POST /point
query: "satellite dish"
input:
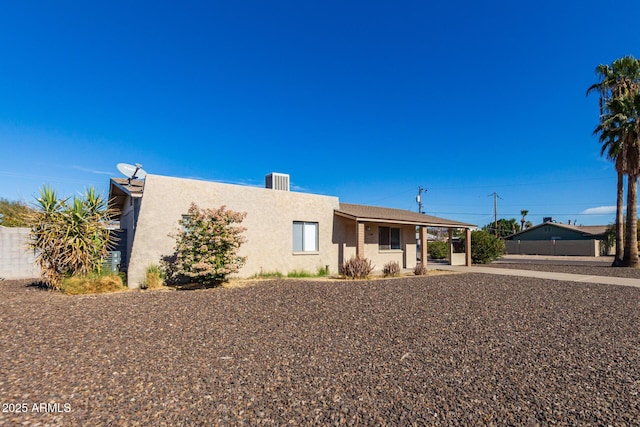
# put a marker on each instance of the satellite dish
(132, 171)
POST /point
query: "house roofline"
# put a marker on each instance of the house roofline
(364, 213)
(555, 224)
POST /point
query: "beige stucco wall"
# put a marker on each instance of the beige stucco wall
(345, 237)
(269, 223)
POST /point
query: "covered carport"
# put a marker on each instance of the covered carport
(365, 217)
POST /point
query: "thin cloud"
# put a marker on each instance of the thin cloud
(98, 172)
(600, 210)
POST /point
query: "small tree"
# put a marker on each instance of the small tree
(438, 250)
(15, 214)
(506, 227)
(207, 246)
(523, 221)
(485, 247)
(70, 236)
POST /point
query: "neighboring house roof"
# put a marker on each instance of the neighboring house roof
(364, 213)
(594, 231)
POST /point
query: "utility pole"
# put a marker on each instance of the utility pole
(495, 211)
(419, 198)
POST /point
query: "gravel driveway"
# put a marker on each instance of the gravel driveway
(455, 349)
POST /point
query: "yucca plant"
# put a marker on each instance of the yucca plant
(70, 236)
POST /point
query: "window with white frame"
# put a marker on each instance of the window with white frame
(389, 238)
(305, 236)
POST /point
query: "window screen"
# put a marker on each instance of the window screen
(389, 238)
(305, 236)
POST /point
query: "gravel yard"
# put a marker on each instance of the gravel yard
(454, 349)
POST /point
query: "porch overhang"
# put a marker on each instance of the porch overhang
(122, 188)
(362, 214)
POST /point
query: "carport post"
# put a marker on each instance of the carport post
(360, 240)
(423, 246)
(467, 249)
(450, 231)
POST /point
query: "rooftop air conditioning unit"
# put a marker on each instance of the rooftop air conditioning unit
(277, 181)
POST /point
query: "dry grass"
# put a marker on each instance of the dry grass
(92, 284)
(154, 278)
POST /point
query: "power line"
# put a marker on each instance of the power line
(528, 184)
(515, 214)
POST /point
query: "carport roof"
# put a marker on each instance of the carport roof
(121, 188)
(364, 213)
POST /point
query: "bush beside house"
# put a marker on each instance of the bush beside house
(207, 245)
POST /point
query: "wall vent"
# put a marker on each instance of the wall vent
(277, 181)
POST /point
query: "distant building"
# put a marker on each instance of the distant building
(552, 238)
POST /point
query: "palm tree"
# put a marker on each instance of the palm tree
(524, 213)
(619, 131)
(611, 146)
(624, 117)
(618, 81)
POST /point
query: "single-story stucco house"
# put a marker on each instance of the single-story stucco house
(285, 230)
(552, 238)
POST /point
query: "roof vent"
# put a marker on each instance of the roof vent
(277, 181)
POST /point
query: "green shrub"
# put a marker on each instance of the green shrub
(392, 268)
(419, 269)
(438, 250)
(15, 214)
(357, 268)
(322, 271)
(485, 247)
(154, 277)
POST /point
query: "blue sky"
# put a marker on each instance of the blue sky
(364, 100)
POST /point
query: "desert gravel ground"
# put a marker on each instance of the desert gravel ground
(454, 349)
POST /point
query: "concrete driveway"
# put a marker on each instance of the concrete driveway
(552, 275)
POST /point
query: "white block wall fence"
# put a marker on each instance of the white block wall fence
(17, 261)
